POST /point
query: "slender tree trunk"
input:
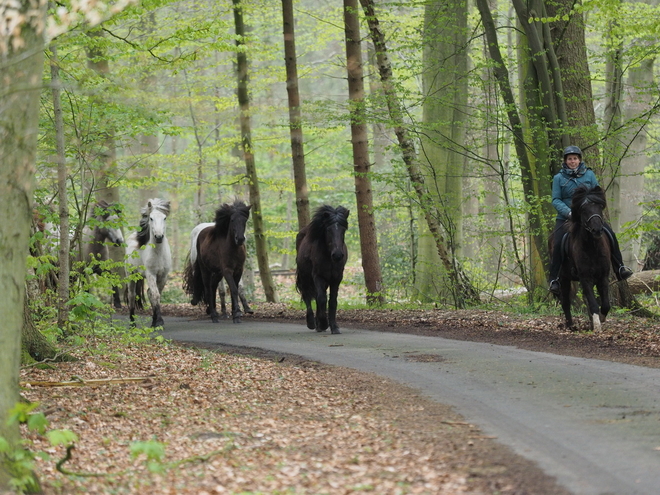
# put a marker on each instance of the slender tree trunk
(464, 292)
(295, 119)
(361, 163)
(251, 169)
(64, 251)
(21, 70)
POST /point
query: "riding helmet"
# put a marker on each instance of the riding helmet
(573, 150)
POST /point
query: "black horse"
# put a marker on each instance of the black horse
(586, 255)
(218, 252)
(321, 257)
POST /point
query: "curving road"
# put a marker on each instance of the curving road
(594, 425)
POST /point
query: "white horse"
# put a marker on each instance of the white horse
(221, 286)
(148, 253)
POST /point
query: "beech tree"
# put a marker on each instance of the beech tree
(21, 65)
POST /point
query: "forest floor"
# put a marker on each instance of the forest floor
(259, 424)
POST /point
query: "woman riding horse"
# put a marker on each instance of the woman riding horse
(574, 173)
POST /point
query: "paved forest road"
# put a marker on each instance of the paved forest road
(594, 425)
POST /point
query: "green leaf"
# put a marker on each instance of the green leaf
(61, 437)
(37, 422)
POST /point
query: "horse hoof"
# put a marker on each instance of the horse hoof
(311, 324)
(335, 331)
(318, 329)
(249, 311)
(237, 320)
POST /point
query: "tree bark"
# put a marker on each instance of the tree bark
(35, 344)
(250, 166)
(64, 249)
(361, 164)
(295, 116)
(21, 70)
(464, 292)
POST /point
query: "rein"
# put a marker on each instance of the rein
(595, 215)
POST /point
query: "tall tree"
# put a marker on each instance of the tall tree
(361, 164)
(295, 115)
(444, 82)
(21, 66)
(248, 154)
(463, 291)
(64, 256)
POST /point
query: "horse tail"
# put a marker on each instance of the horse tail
(193, 284)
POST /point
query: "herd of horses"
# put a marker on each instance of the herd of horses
(218, 253)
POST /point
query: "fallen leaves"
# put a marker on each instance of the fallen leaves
(218, 423)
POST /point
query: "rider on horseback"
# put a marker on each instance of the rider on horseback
(573, 174)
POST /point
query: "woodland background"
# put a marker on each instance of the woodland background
(150, 109)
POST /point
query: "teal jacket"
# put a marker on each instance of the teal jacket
(564, 185)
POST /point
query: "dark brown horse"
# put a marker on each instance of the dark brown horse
(587, 256)
(218, 252)
(321, 257)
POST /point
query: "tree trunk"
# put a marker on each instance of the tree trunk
(251, 169)
(444, 118)
(361, 164)
(35, 344)
(463, 291)
(21, 71)
(64, 250)
(295, 119)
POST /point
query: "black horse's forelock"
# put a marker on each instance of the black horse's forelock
(583, 193)
(327, 215)
(224, 213)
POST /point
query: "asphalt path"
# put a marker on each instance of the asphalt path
(593, 425)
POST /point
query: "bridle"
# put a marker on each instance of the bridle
(595, 215)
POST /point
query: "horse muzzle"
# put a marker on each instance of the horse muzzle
(159, 238)
(239, 241)
(337, 256)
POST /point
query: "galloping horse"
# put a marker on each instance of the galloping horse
(148, 253)
(218, 253)
(101, 229)
(587, 255)
(321, 257)
(221, 285)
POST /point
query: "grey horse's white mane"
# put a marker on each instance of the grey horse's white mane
(156, 204)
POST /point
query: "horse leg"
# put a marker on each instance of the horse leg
(307, 299)
(210, 286)
(332, 308)
(565, 298)
(241, 294)
(131, 301)
(223, 302)
(154, 299)
(116, 299)
(321, 305)
(603, 287)
(592, 304)
(232, 283)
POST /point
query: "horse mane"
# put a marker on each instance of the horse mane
(107, 209)
(153, 204)
(583, 193)
(224, 213)
(325, 216)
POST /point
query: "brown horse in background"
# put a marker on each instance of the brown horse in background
(321, 257)
(218, 253)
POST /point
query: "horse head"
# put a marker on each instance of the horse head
(334, 224)
(108, 217)
(231, 220)
(156, 213)
(587, 209)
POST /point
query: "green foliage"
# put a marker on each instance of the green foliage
(153, 451)
(18, 459)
